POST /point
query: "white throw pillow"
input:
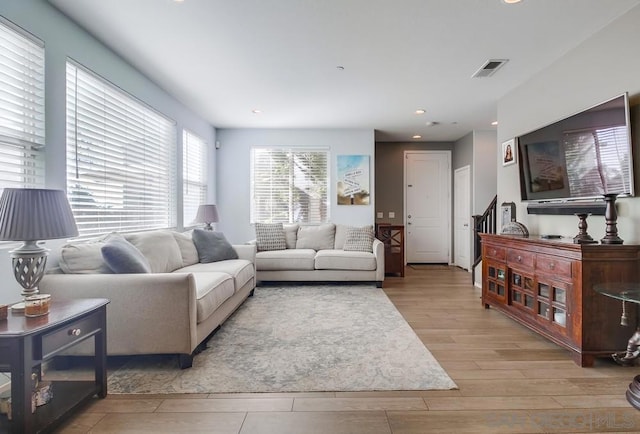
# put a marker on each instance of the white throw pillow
(359, 239)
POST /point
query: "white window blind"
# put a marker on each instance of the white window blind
(21, 108)
(121, 158)
(194, 175)
(289, 185)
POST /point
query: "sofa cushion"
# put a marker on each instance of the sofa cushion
(159, 247)
(83, 257)
(316, 237)
(344, 260)
(289, 259)
(240, 269)
(212, 246)
(291, 235)
(270, 236)
(188, 250)
(341, 235)
(359, 239)
(122, 257)
(212, 289)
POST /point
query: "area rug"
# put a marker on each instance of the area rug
(298, 339)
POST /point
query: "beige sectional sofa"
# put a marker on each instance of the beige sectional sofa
(320, 253)
(170, 310)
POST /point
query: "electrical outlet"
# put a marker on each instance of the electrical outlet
(380, 215)
(392, 215)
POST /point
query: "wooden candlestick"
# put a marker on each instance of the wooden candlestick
(583, 237)
(611, 218)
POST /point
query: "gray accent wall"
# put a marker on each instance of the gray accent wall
(63, 39)
(390, 176)
(484, 180)
(604, 66)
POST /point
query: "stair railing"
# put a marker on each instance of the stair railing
(485, 223)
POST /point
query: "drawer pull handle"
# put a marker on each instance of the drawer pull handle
(552, 265)
(519, 258)
(75, 332)
(494, 251)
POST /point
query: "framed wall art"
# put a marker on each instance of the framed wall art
(509, 154)
(353, 180)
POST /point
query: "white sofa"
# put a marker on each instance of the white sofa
(172, 309)
(317, 253)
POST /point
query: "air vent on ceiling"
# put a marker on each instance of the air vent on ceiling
(489, 68)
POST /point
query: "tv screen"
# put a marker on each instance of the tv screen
(583, 156)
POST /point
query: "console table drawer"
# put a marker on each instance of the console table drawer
(555, 266)
(520, 258)
(69, 335)
(499, 253)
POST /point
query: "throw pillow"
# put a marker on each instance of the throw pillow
(316, 237)
(123, 257)
(212, 246)
(270, 236)
(359, 239)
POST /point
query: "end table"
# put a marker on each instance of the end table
(26, 343)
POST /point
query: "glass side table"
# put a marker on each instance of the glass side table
(627, 293)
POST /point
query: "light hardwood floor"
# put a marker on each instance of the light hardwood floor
(510, 381)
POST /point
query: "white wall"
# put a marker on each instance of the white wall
(604, 66)
(64, 39)
(233, 172)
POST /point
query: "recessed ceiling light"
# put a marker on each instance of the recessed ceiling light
(256, 111)
(340, 68)
(416, 137)
(511, 2)
(420, 111)
(494, 123)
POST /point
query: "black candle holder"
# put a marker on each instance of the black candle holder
(583, 237)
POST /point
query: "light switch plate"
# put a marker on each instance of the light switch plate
(392, 215)
(380, 215)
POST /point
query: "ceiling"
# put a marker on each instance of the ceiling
(343, 63)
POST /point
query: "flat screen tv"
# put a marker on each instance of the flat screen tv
(583, 156)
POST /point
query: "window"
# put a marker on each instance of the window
(21, 108)
(289, 185)
(120, 158)
(194, 175)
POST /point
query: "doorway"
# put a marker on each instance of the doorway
(427, 192)
(462, 217)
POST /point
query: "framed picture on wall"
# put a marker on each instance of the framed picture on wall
(353, 180)
(509, 154)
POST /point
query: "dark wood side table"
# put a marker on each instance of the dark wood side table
(25, 343)
(393, 238)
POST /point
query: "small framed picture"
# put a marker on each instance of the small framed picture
(509, 154)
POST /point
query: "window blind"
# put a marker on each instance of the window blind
(289, 185)
(194, 175)
(21, 108)
(120, 158)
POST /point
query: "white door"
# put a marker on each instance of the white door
(427, 206)
(462, 217)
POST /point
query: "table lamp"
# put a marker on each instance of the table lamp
(207, 214)
(30, 215)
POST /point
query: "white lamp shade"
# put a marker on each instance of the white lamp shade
(207, 214)
(30, 214)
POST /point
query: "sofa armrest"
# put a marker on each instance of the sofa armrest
(246, 251)
(378, 252)
(147, 313)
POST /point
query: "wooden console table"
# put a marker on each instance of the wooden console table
(26, 343)
(548, 286)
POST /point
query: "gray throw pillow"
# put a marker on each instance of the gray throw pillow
(270, 236)
(359, 239)
(122, 257)
(212, 246)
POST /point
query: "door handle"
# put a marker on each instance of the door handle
(409, 216)
(466, 225)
